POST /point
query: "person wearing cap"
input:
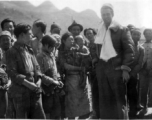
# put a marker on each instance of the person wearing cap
(145, 76)
(39, 30)
(25, 75)
(5, 44)
(47, 62)
(115, 54)
(132, 88)
(55, 29)
(9, 25)
(75, 28)
(130, 27)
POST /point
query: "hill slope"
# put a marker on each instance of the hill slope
(23, 11)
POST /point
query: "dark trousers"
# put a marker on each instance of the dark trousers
(94, 93)
(3, 103)
(112, 90)
(132, 92)
(145, 80)
(28, 105)
(10, 114)
(52, 106)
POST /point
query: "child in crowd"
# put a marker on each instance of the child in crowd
(50, 97)
(82, 48)
(146, 72)
(134, 74)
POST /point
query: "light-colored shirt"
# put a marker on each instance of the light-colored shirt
(28, 61)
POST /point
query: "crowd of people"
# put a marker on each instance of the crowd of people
(103, 74)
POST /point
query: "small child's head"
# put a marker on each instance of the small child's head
(148, 34)
(58, 40)
(136, 34)
(48, 43)
(79, 40)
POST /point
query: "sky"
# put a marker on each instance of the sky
(144, 7)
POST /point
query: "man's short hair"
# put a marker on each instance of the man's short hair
(93, 30)
(7, 20)
(21, 28)
(41, 24)
(147, 29)
(48, 40)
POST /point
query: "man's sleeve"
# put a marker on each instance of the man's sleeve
(128, 49)
(37, 70)
(138, 67)
(11, 61)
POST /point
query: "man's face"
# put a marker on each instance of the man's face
(107, 15)
(35, 30)
(5, 42)
(27, 37)
(56, 31)
(148, 35)
(75, 30)
(136, 36)
(9, 27)
(90, 35)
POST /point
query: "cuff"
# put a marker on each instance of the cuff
(20, 79)
(39, 74)
(46, 80)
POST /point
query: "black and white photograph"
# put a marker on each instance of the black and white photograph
(76, 59)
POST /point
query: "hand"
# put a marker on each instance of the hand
(38, 83)
(94, 61)
(56, 82)
(33, 87)
(61, 84)
(77, 53)
(125, 76)
(6, 87)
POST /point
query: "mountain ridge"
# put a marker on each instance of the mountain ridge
(24, 11)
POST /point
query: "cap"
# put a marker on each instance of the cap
(5, 33)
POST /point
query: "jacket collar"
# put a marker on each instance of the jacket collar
(114, 26)
(19, 46)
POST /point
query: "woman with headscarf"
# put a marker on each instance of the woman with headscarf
(76, 99)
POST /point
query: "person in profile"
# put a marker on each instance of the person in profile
(39, 30)
(25, 74)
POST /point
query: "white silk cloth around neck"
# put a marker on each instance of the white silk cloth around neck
(104, 38)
